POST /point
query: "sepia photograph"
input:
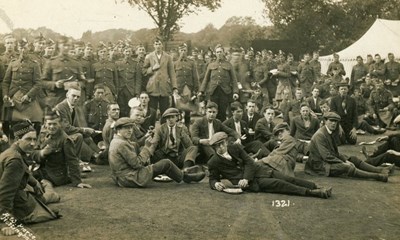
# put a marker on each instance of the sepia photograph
(200, 119)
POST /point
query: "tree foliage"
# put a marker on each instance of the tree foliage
(327, 25)
(167, 14)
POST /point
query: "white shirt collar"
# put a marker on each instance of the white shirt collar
(329, 131)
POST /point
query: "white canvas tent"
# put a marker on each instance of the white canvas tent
(383, 37)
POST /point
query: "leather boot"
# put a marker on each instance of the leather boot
(320, 193)
(193, 177)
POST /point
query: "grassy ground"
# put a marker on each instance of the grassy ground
(358, 209)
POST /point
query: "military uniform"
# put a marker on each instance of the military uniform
(59, 68)
(284, 83)
(96, 113)
(105, 72)
(271, 83)
(378, 100)
(62, 165)
(187, 81)
(260, 76)
(336, 70)
(378, 70)
(130, 83)
(22, 78)
(316, 65)
(393, 74)
(358, 72)
(219, 84)
(307, 77)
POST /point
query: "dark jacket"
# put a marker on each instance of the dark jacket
(199, 130)
(62, 165)
(14, 177)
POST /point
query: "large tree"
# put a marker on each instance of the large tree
(167, 14)
(328, 25)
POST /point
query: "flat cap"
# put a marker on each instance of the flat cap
(280, 127)
(182, 46)
(218, 137)
(332, 116)
(170, 112)
(342, 83)
(124, 121)
(211, 104)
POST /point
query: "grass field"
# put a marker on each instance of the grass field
(358, 209)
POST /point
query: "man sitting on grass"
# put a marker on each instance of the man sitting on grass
(131, 167)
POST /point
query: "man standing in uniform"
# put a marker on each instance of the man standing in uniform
(60, 70)
(104, 71)
(187, 79)
(130, 80)
(20, 86)
(220, 83)
(307, 75)
(358, 73)
(393, 74)
(336, 69)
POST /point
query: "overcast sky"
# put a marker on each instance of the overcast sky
(73, 17)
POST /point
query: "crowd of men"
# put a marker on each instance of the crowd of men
(68, 105)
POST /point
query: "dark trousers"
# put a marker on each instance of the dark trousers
(280, 183)
(392, 143)
(159, 101)
(346, 136)
(205, 152)
(222, 100)
(167, 167)
(188, 154)
(384, 158)
(123, 98)
(255, 146)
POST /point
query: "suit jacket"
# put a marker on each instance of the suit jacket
(299, 131)
(243, 127)
(163, 80)
(263, 132)
(199, 130)
(349, 119)
(251, 124)
(242, 166)
(128, 166)
(182, 137)
(70, 125)
(314, 107)
(149, 119)
(323, 152)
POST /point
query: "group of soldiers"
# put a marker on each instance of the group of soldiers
(121, 106)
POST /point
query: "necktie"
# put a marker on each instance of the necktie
(250, 118)
(73, 114)
(171, 136)
(344, 105)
